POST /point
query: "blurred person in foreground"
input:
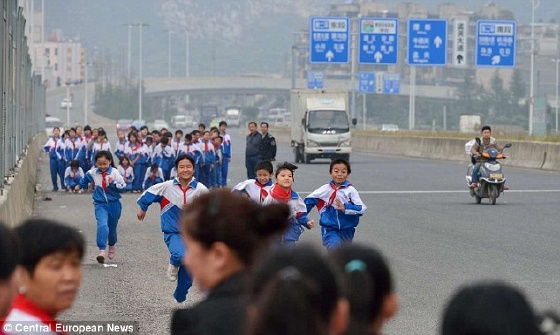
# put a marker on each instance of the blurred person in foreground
(296, 291)
(368, 286)
(489, 308)
(224, 233)
(9, 251)
(50, 273)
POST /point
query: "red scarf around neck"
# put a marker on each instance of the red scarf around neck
(280, 194)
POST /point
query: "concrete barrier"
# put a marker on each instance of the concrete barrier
(534, 155)
(17, 203)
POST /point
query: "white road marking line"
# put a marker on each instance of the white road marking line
(445, 192)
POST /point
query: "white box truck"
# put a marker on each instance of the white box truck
(320, 125)
(233, 117)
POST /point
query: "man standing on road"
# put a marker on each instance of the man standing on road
(252, 150)
(268, 144)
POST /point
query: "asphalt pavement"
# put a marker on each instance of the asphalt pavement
(419, 214)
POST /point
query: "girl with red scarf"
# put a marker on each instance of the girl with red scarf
(282, 192)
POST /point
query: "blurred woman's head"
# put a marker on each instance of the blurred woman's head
(295, 291)
(489, 308)
(368, 286)
(224, 231)
(50, 263)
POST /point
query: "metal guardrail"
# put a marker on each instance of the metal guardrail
(23, 97)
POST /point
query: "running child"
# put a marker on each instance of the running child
(339, 206)
(282, 191)
(172, 196)
(106, 201)
(73, 175)
(126, 172)
(257, 189)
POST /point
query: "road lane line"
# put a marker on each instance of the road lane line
(445, 192)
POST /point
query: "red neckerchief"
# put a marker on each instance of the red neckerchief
(104, 180)
(263, 193)
(280, 194)
(333, 195)
(23, 304)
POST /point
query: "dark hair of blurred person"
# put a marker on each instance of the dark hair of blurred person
(50, 270)
(223, 233)
(486, 308)
(9, 254)
(368, 286)
(296, 291)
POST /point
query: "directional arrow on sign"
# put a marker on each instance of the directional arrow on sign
(438, 41)
(496, 60)
(329, 55)
(378, 57)
(459, 59)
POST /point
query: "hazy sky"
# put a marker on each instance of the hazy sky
(228, 36)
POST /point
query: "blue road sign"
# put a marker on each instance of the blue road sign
(367, 82)
(329, 40)
(427, 42)
(495, 43)
(391, 83)
(315, 79)
(379, 40)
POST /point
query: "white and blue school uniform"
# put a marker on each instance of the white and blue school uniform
(133, 151)
(217, 171)
(120, 148)
(175, 145)
(298, 216)
(172, 198)
(83, 154)
(128, 176)
(192, 150)
(106, 202)
(152, 179)
(72, 150)
(164, 157)
(97, 147)
(253, 189)
(226, 153)
(55, 148)
(207, 158)
(337, 226)
(72, 177)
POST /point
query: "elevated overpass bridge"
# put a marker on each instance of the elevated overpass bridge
(245, 85)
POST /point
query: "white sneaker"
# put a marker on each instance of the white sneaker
(172, 272)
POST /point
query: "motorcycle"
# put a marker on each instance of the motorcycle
(491, 179)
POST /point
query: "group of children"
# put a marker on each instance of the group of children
(145, 159)
(183, 167)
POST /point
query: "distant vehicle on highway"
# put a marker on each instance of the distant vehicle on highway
(182, 121)
(389, 127)
(50, 123)
(215, 122)
(137, 124)
(159, 124)
(66, 102)
(124, 124)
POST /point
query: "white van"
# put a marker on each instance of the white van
(182, 121)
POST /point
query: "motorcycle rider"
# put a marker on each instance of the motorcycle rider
(487, 141)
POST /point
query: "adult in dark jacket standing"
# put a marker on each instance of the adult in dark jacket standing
(268, 144)
(252, 150)
(224, 232)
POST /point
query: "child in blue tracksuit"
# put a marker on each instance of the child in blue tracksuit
(126, 172)
(106, 201)
(153, 176)
(217, 172)
(55, 147)
(339, 205)
(282, 192)
(207, 159)
(257, 189)
(73, 175)
(226, 152)
(164, 157)
(172, 196)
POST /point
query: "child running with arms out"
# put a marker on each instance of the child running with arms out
(106, 201)
(282, 192)
(339, 206)
(172, 196)
(257, 189)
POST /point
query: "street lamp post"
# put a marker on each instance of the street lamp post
(169, 54)
(129, 54)
(187, 55)
(141, 25)
(557, 60)
(86, 94)
(68, 106)
(532, 84)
